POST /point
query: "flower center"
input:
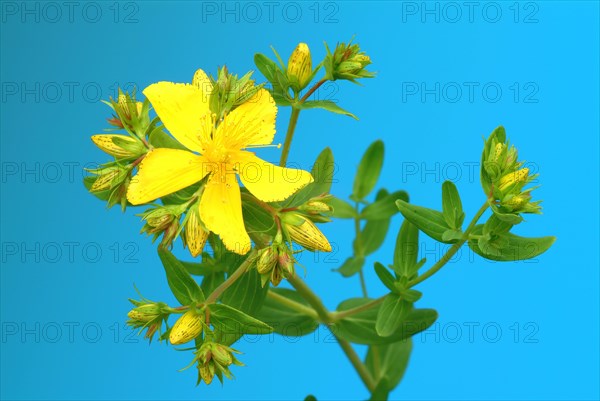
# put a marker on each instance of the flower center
(217, 154)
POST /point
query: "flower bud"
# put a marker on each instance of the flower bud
(307, 234)
(145, 313)
(267, 258)
(316, 207)
(347, 62)
(186, 328)
(108, 178)
(513, 179)
(119, 146)
(299, 68)
(195, 236)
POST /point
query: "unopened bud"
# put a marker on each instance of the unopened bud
(186, 328)
(299, 68)
(195, 234)
(517, 177)
(118, 145)
(308, 235)
(266, 260)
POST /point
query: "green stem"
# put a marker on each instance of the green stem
(335, 316)
(313, 300)
(326, 317)
(289, 136)
(361, 275)
(312, 90)
(298, 307)
(452, 251)
(214, 296)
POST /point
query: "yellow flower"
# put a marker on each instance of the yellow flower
(218, 150)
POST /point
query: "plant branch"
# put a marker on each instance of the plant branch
(312, 90)
(289, 136)
(335, 316)
(452, 251)
(298, 307)
(214, 296)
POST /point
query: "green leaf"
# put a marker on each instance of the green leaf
(212, 281)
(368, 171)
(182, 285)
(285, 320)
(360, 327)
(259, 223)
(384, 208)
(373, 235)
(246, 294)
(236, 322)
(452, 205)
(351, 266)
(391, 314)
(266, 66)
(325, 105)
(499, 135)
(508, 247)
(385, 276)
(206, 267)
(407, 250)
(393, 361)
(160, 139)
(430, 221)
(342, 209)
(322, 173)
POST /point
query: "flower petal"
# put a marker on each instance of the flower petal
(267, 181)
(221, 212)
(252, 123)
(184, 110)
(164, 171)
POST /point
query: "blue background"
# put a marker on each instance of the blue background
(549, 49)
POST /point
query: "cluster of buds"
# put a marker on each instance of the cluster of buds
(504, 177)
(347, 62)
(275, 262)
(147, 315)
(195, 234)
(300, 229)
(214, 359)
(188, 327)
(131, 115)
(229, 91)
(318, 208)
(163, 220)
(299, 67)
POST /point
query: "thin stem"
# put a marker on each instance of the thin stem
(305, 292)
(289, 136)
(312, 90)
(360, 367)
(298, 307)
(452, 251)
(335, 316)
(212, 298)
(361, 275)
(363, 284)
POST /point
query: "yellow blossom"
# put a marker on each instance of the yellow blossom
(218, 149)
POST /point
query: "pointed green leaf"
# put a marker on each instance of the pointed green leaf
(183, 286)
(325, 105)
(285, 320)
(508, 247)
(235, 322)
(360, 327)
(407, 250)
(430, 221)
(368, 171)
(452, 205)
(160, 139)
(322, 172)
(266, 66)
(385, 276)
(246, 294)
(384, 208)
(391, 314)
